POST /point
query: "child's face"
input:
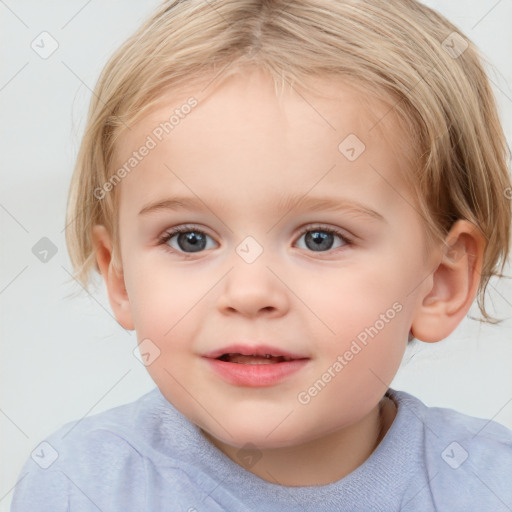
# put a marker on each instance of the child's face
(344, 307)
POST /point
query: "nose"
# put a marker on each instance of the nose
(253, 289)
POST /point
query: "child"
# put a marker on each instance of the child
(339, 171)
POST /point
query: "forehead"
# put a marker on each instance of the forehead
(244, 137)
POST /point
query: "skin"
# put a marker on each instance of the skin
(240, 151)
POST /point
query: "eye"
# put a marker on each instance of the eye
(321, 238)
(188, 239)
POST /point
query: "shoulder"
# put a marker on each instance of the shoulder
(468, 460)
(96, 459)
(116, 432)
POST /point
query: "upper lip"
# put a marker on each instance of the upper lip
(253, 350)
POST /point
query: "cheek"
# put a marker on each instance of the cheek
(352, 299)
(370, 313)
(159, 295)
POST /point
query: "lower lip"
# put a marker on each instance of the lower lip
(256, 375)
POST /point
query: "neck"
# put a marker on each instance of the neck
(329, 458)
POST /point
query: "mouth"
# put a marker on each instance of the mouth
(254, 366)
(253, 354)
(234, 357)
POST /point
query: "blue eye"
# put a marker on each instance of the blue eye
(322, 238)
(190, 240)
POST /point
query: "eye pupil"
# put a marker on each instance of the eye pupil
(192, 241)
(196, 240)
(319, 239)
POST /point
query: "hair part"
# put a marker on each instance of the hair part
(392, 50)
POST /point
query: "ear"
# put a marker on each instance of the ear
(454, 283)
(113, 277)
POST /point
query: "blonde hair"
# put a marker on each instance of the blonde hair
(398, 50)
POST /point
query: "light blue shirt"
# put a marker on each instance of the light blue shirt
(146, 456)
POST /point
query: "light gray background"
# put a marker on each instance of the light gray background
(66, 358)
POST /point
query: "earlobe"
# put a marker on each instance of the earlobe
(454, 283)
(113, 277)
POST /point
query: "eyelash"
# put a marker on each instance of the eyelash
(168, 235)
(331, 231)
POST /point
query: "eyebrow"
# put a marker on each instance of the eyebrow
(286, 204)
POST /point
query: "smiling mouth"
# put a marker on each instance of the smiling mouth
(253, 359)
(255, 366)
